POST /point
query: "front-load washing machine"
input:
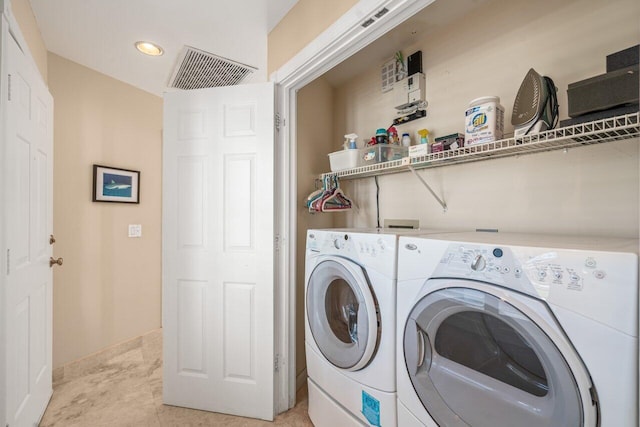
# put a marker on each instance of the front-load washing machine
(350, 306)
(504, 330)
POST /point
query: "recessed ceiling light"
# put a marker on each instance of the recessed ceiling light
(149, 48)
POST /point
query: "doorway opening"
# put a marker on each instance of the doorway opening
(341, 41)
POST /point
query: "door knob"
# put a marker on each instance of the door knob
(53, 261)
(52, 239)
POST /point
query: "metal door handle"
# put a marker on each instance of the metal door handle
(424, 349)
(53, 261)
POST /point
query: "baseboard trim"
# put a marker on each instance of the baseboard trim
(80, 367)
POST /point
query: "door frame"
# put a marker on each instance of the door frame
(8, 28)
(342, 39)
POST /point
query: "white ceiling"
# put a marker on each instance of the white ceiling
(100, 34)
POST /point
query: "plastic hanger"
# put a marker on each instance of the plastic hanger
(337, 200)
(330, 198)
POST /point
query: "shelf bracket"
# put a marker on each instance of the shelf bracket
(428, 187)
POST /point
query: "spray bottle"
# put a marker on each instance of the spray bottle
(350, 141)
(424, 136)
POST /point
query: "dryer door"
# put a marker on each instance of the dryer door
(342, 313)
(475, 359)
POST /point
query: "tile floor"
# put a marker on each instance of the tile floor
(123, 387)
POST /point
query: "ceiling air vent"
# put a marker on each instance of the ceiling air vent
(197, 69)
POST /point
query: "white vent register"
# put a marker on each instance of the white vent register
(197, 69)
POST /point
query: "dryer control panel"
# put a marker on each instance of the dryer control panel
(578, 280)
(484, 263)
(601, 284)
(529, 271)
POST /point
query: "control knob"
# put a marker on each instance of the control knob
(479, 263)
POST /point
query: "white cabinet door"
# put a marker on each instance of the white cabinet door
(218, 249)
(28, 185)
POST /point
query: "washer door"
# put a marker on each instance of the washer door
(342, 313)
(474, 359)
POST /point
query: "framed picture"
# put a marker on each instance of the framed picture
(115, 185)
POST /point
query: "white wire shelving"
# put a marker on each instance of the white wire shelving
(589, 133)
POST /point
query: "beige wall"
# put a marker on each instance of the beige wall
(304, 22)
(29, 27)
(109, 288)
(315, 103)
(592, 190)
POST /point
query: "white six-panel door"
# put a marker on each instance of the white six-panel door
(218, 256)
(28, 185)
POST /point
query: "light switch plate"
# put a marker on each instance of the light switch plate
(135, 230)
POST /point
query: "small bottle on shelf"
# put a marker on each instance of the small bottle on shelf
(406, 140)
(424, 136)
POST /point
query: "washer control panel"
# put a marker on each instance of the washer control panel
(375, 252)
(337, 243)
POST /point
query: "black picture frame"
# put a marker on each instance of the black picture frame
(115, 185)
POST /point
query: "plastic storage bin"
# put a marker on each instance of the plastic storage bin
(344, 159)
(347, 159)
(381, 153)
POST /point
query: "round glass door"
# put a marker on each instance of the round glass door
(342, 313)
(476, 360)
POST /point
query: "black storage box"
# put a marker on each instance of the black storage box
(617, 88)
(599, 115)
(623, 59)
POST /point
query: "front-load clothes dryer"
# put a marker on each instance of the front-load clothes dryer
(350, 306)
(504, 330)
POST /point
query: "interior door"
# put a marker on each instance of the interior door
(218, 249)
(28, 185)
